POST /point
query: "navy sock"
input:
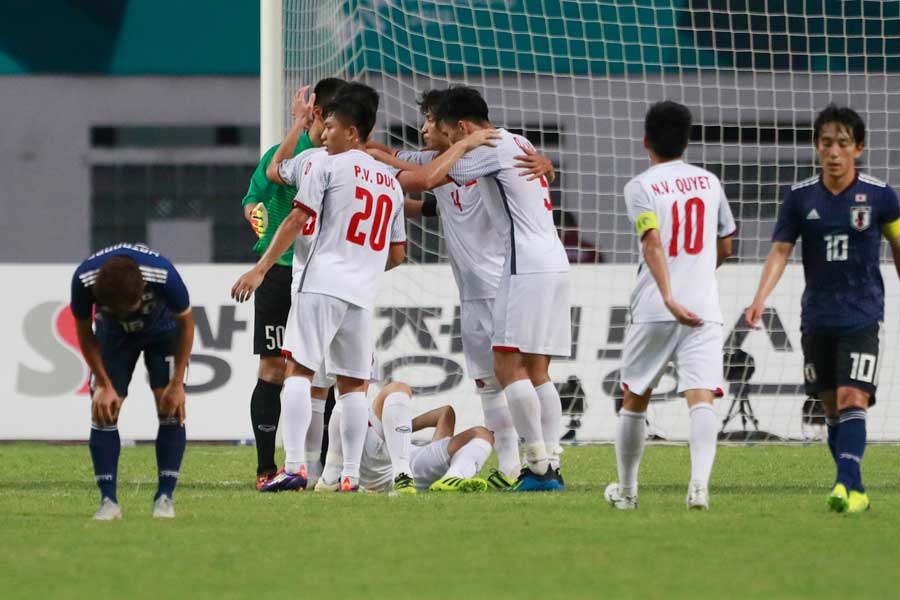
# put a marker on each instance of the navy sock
(170, 443)
(851, 444)
(265, 410)
(832, 423)
(105, 447)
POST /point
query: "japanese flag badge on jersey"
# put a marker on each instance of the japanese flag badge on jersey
(860, 217)
(860, 198)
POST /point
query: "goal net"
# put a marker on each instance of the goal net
(576, 77)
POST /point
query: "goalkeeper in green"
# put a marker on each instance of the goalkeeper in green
(265, 207)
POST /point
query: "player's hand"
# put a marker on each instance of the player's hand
(171, 403)
(105, 405)
(535, 165)
(683, 315)
(246, 284)
(753, 314)
(482, 137)
(259, 219)
(301, 108)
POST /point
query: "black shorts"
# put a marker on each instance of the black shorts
(836, 359)
(120, 355)
(272, 302)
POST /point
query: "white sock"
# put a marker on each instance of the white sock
(314, 441)
(525, 409)
(551, 420)
(354, 422)
(498, 420)
(296, 412)
(629, 449)
(396, 421)
(704, 433)
(334, 458)
(468, 460)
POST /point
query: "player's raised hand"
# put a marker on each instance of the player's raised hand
(753, 314)
(246, 284)
(171, 403)
(105, 404)
(482, 137)
(683, 315)
(535, 165)
(301, 108)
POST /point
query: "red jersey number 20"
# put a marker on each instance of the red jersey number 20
(382, 209)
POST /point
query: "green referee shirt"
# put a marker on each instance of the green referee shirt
(278, 199)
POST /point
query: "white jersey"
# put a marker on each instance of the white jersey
(359, 208)
(520, 210)
(688, 206)
(476, 251)
(291, 172)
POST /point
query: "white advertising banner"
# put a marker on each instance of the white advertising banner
(417, 328)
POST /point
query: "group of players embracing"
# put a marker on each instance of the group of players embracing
(329, 207)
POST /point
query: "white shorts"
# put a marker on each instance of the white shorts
(322, 379)
(428, 463)
(326, 330)
(695, 351)
(532, 314)
(476, 325)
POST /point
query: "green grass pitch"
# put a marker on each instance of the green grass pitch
(768, 534)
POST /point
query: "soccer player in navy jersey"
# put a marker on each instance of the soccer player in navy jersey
(128, 300)
(841, 215)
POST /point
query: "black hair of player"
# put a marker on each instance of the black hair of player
(845, 117)
(327, 89)
(429, 101)
(461, 103)
(361, 93)
(353, 109)
(119, 284)
(667, 127)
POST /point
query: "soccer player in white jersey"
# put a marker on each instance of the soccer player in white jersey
(476, 255)
(685, 226)
(449, 463)
(531, 318)
(358, 205)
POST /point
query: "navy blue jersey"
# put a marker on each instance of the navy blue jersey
(841, 249)
(164, 293)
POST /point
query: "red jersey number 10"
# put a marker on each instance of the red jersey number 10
(694, 211)
(383, 208)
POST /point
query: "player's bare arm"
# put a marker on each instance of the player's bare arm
(435, 173)
(724, 249)
(655, 257)
(412, 208)
(287, 232)
(443, 419)
(302, 109)
(373, 145)
(388, 158)
(172, 400)
(105, 402)
(772, 272)
(396, 256)
(535, 166)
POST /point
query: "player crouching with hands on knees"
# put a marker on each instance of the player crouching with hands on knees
(142, 306)
(390, 462)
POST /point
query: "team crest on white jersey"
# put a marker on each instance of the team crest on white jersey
(860, 217)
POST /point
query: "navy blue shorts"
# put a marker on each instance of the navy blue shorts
(120, 355)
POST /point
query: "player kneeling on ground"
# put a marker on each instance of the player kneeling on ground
(685, 225)
(449, 463)
(142, 307)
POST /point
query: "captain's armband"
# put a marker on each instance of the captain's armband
(645, 222)
(891, 231)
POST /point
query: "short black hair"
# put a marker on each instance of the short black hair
(461, 103)
(429, 101)
(356, 105)
(844, 116)
(327, 89)
(668, 129)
